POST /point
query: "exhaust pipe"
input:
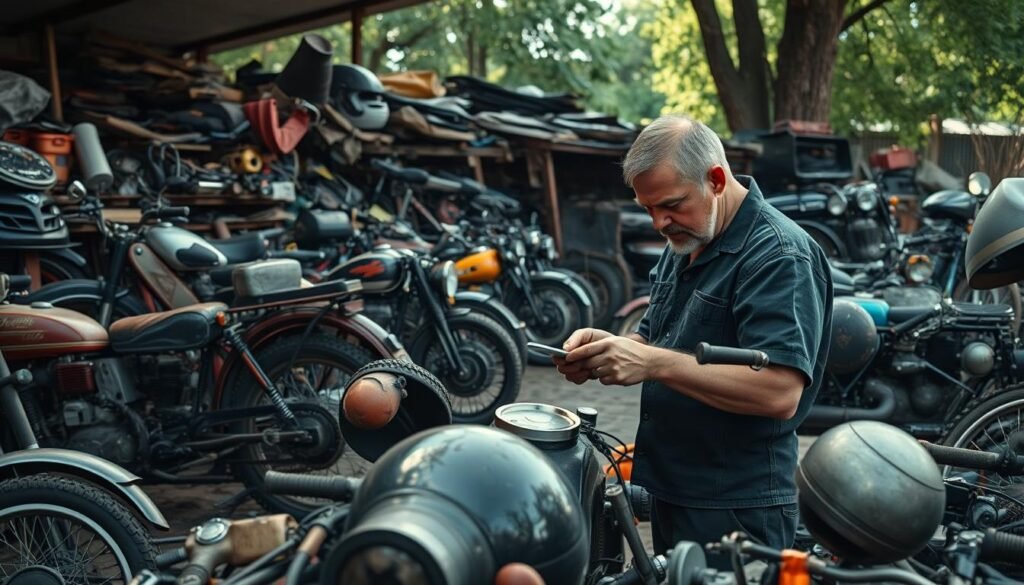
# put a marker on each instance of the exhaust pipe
(824, 417)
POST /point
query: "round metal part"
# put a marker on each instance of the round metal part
(36, 575)
(978, 359)
(538, 423)
(854, 337)
(212, 531)
(837, 204)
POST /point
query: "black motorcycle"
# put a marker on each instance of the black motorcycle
(65, 516)
(416, 298)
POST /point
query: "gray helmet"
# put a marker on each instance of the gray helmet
(359, 96)
(869, 492)
(995, 256)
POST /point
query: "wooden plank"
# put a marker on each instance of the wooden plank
(64, 13)
(551, 196)
(424, 150)
(357, 35)
(56, 105)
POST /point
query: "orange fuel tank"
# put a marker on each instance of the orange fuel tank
(479, 268)
(32, 332)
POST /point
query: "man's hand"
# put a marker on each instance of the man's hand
(610, 359)
(576, 373)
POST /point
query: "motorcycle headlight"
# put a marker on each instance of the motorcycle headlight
(918, 269)
(446, 278)
(519, 247)
(548, 247)
(534, 239)
(837, 204)
(866, 199)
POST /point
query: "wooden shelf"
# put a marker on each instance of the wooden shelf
(191, 200)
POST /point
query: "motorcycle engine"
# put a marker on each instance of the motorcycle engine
(113, 441)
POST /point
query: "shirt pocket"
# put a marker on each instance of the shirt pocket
(707, 318)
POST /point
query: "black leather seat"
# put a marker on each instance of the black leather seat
(189, 327)
(243, 248)
(901, 314)
(842, 283)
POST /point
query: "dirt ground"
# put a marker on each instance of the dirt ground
(618, 413)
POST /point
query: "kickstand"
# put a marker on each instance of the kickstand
(228, 506)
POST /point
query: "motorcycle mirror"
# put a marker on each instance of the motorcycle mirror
(995, 247)
(979, 184)
(77, 191)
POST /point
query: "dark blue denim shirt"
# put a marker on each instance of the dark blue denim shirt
(762, 284)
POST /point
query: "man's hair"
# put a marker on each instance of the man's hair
(688, 145)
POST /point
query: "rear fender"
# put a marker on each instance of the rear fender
(113, 478)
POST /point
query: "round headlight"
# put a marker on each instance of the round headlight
(837, 204)
(519, 248)
(919, 269)
(548, 246)
(446, 277)
(534, 239)
(867, 198)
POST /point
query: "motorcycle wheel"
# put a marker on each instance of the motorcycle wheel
(612, 288)
(494, 372)
(629, 322)
(319, 374)
(57, 530)
(562, 310)
(986, 426)
(1004, 295)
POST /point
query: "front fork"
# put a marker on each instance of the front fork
(521, 280)
(449, 344)
(235, 339)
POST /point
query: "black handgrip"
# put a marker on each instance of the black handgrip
(19, 282)
(330, 487)
(171, 557)
(1002, 547)
(971, 459)
(193, 574)
(716, 354)
(166, 212)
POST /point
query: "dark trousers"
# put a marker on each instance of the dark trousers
(774, 526)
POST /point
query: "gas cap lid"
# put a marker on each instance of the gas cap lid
(538, 423)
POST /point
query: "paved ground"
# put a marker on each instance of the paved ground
(618, 410)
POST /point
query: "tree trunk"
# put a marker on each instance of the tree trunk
(745, 90)
(807, 58)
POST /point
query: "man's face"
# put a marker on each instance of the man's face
(683, 212)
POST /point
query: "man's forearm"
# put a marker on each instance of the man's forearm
(637, 337)
(773, 391)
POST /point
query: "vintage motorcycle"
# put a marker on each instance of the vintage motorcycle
(171, 394)
(47, 494)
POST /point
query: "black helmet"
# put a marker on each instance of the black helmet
(995, 256)
(869, 492)
(452, 506)
(359, 95)
(854, 337)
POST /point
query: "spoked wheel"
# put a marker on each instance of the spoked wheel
(988, 427)
(630, 321)
(492, 371)
(55, 531)
(559, 313)
(612, 288)
(318, 375)
(1004, 295)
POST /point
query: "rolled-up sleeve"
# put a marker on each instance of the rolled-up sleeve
(781, 308)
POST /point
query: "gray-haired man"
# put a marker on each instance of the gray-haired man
(716, 444)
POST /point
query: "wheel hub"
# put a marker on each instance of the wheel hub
(478, 372)
(326, 445)
(36, 575)
(554, 324)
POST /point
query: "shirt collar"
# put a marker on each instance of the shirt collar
(739, 229)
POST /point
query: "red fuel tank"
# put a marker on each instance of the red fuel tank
(31, 332)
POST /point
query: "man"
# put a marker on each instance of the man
(716, 445)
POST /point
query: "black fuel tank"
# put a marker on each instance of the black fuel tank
(949, 204)
(380, 271)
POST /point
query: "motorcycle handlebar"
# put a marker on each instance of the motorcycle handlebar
(337, 488)
(439, 184)
(970, 459)
(716, 354)
(998, 547)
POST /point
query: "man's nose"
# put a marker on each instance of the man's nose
(660, 220)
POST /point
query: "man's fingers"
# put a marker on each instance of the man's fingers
(578, 338)
(586, 351)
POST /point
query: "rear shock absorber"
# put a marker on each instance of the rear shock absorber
(231, 334)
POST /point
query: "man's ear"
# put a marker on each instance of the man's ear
(717, 179)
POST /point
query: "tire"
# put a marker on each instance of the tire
(1006, 295)
(629, 322)
(495, 370)
(612, 288)
(68, 507)
(53, 268)
(243, 391)
(827, 245)
(560, 305)
(985, 425)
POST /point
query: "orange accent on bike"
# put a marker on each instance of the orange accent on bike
(222, 319)
(369, 270)
(624, 459)
(794, 568)
(481, 267)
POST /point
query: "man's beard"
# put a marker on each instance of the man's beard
(695, 240)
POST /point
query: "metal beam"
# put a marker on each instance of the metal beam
(338, 12)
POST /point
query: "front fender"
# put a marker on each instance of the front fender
(494, 308)
(70, 256)
(88, 467)
(632, 306)
(565, 280)
(80, 289)
(827, 232)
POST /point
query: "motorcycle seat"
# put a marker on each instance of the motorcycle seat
(901, 314)
(988, 310)
(180, 329)
(243, 248)
(497, 202)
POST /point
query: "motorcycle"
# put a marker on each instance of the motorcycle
(168, 393)
(65, 516)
